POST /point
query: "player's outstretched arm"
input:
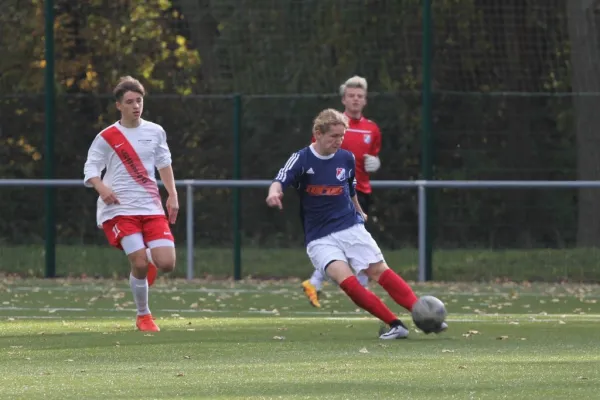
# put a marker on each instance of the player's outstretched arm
(288, 175)
(275, 195)
(168, 178)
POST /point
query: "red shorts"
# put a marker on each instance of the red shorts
(152, 227)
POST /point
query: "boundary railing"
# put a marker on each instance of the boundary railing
(425, 270)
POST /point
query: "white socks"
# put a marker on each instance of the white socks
(317, 279)
(139, 288)
(363, 279)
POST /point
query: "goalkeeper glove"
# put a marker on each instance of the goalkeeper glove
(372, 163)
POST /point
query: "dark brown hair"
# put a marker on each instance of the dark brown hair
(128, 84)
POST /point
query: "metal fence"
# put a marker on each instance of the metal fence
(425, 272)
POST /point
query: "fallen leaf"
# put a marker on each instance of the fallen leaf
(462, 367)
(363, 350)
(279, 337)
(502, 337)
(180, 374)
(447, 351)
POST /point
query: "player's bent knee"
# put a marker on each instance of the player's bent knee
(164, 257)
(376, 269)
(166, 265)
(138, 260)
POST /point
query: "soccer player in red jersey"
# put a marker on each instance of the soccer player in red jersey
(363, 139)
(129, 207)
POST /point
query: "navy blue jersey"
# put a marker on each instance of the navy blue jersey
(325, 185)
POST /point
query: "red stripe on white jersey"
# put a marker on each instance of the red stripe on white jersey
(129, 157)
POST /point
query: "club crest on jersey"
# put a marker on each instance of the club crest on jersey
(340, 174)
(367, 138)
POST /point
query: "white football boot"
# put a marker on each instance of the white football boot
(397, 332)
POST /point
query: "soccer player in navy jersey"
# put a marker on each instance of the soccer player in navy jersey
(337, 242)
(363, 139)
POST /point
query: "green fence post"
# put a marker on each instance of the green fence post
(50, 118)
(237, 174)
(427, 135)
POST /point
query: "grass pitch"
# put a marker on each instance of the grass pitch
(74, 339)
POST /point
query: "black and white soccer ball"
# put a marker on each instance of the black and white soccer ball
(428, 313)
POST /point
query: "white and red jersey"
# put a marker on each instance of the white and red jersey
(130, 156)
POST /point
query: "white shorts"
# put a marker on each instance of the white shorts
(355, 246)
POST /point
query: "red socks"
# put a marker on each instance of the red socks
(367, 300)
(398, 289)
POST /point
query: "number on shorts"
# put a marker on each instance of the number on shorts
(116, 230)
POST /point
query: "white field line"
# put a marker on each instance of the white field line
(327, 315)
(183, 291)
(351, 319)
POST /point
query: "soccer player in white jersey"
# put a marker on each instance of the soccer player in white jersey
(129, 207)
(337, 242)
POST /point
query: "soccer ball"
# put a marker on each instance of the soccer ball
(428, 313)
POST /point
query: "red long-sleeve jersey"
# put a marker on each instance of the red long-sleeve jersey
(362, 137)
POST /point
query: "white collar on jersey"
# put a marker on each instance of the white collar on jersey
(320, 156)
(142, 122)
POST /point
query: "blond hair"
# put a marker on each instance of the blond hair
(328, 118)
(128, 84)
(354, 82)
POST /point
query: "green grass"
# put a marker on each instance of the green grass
(550, 265)
(73, 339)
